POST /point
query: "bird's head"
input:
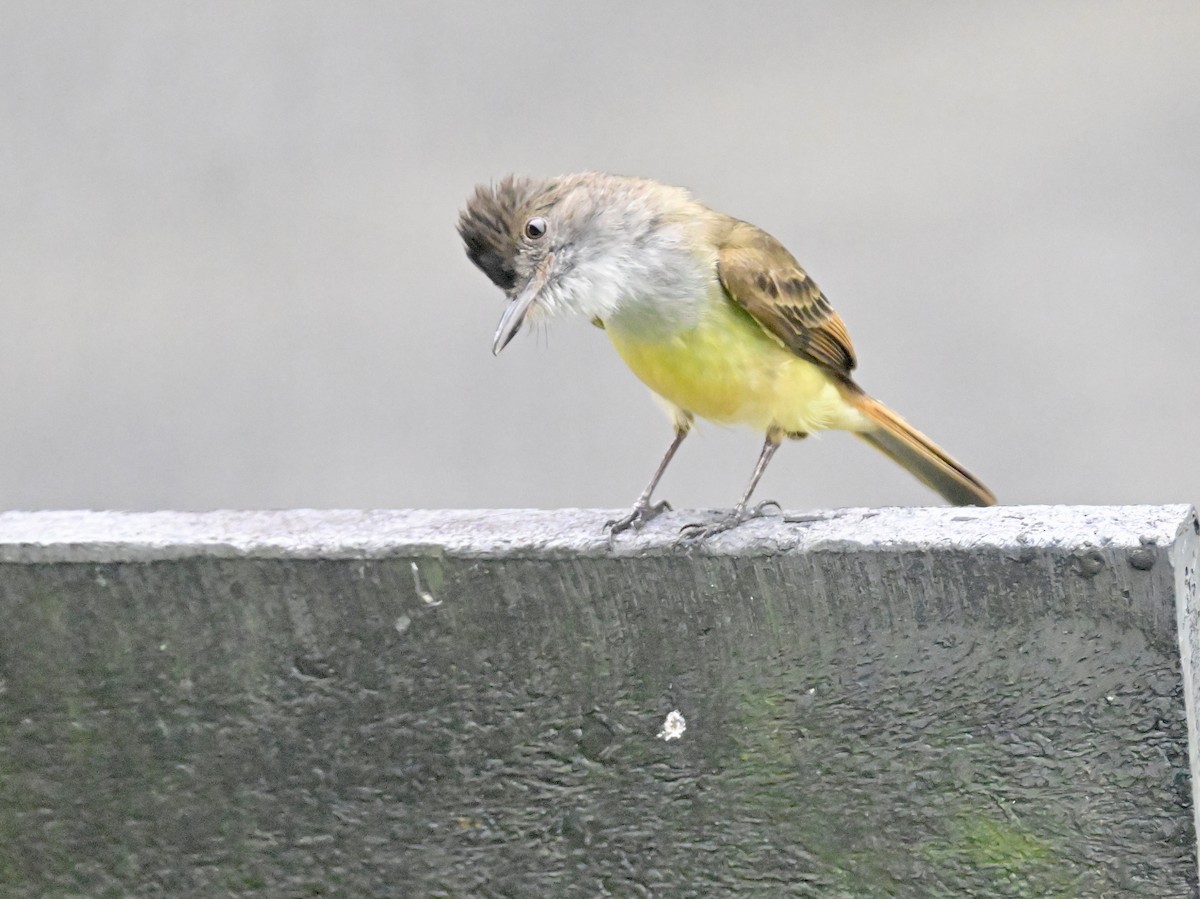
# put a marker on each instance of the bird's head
(588, 244)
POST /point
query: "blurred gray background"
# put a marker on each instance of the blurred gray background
(229, 275)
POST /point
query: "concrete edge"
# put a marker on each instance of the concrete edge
(82, 536)
(1184, 555)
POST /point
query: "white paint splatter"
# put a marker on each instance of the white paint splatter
(673, 727)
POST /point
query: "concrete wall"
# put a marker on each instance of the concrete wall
(889, 702)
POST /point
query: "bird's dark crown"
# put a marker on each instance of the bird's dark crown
(490, 226)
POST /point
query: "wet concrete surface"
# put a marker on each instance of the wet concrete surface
(881, 703)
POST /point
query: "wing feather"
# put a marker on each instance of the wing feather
(762, 277)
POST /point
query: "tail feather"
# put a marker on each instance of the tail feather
(927, 461)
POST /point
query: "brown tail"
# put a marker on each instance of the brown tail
(903, 443)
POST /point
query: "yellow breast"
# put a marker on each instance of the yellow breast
(728, 370)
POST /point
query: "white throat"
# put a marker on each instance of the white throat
(652, 277)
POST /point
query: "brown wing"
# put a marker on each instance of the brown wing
(762, 277)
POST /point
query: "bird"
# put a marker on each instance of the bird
(710, 312)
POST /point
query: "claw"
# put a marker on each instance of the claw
(760, 511)
(639, 516)
(700, 531)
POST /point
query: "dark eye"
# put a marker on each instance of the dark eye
(535, 227)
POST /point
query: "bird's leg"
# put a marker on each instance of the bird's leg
(642, 511)
(742, 511)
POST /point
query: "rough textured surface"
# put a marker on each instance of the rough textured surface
(894, 702)
(318, 534)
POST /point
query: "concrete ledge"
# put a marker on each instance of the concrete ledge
(937, 702)
(499, 533)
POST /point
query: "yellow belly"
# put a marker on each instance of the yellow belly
(728, 370)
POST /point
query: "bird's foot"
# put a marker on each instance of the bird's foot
(639, 516)
(701, 531)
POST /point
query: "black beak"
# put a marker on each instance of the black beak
(518, 308)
